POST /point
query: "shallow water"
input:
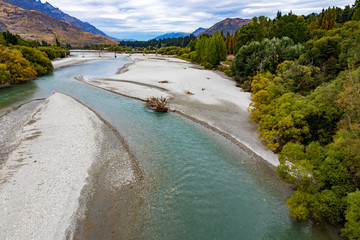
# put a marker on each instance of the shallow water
(201, 186)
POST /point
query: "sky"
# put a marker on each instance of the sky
(147, 19)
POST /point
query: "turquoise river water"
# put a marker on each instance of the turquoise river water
(204, 187)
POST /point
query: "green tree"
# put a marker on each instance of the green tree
(10, 38)
(264, 55)
(352, 215)
(356, 11)
(297, 78)
(57, 42)
(210, 51)
(257, 30)
(37, 59)
(290, 26)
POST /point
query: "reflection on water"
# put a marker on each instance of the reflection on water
(15, 94)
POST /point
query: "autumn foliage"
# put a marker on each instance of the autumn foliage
(22, 60)
(306, 102)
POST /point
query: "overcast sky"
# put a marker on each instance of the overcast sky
(146, 19)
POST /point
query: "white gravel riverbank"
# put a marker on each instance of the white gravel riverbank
(208, 96)
(71, 60)
(47, 171)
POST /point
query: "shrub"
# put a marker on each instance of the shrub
(13, 66)
(37, 59)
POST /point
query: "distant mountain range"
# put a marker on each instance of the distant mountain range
(51, 11)
(48, 30)
(180, 34)
(172, 35)
(34, 25)
(229, 24)
(198, 31)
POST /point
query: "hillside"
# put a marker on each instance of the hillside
(51, 11)
(34, 25)
(229, 24)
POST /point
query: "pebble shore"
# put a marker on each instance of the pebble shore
(49, 168)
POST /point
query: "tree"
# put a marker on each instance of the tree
(356, 13)
(10, 38)
(264, 55)
(210, 51)
(290, 26)
(345, 16)
(297, 78)
(57, 42)
(228, 42)
(14, 67)
(323, 53)
(257, 30)
(220, 51)
(37, 59)
(352, 215)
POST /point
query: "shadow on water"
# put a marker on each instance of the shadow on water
(11, 95)
(197, 185)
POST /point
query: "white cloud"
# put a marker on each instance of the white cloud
(114, 16)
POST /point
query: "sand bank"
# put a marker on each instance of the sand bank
(208, 97)
(44, 177)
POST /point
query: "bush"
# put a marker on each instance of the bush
(185, 56)
(207, 65)
(193, 56)
(157, 104)
(54, 52)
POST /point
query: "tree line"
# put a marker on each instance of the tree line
(303, 72)
(159, 43)
(21, 60)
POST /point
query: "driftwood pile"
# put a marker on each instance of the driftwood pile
(157, 104)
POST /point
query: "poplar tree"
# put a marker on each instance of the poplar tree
(356, 14)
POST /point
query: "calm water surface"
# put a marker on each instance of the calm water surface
(202, 187)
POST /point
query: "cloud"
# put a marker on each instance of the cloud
(121, 18)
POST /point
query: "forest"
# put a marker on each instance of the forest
(303, 74)
(21, 60)
(159, 43)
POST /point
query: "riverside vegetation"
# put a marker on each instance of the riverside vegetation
(21, 60)
(303, 72)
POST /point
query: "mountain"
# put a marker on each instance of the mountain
(180, 34)
(229, 24)
(172, 35)
(198, 31)
(51, 11)
(34, 25)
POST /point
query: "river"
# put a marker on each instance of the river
(196, 185)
